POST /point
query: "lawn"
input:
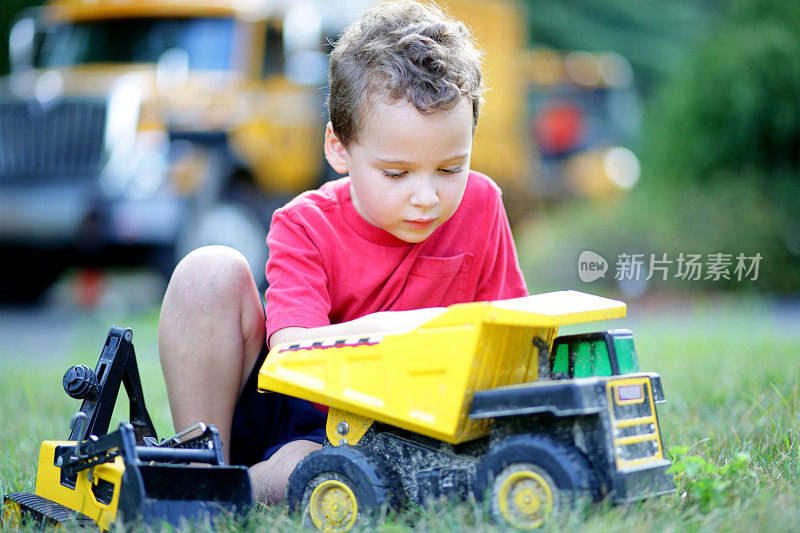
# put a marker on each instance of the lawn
(730, 369)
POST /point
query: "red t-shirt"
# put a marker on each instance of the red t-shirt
(328, 265)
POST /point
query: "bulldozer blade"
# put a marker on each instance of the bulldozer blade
(175, 493)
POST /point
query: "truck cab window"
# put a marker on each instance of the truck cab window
(274, 58)
(207, 42)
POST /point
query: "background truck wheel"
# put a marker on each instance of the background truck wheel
(25, 275)
(528, 478)
(336, 488)
(233, 224)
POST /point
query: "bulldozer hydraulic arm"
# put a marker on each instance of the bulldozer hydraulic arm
(99, 388)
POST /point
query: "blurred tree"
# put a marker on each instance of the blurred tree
(734, 109)
(654, 36)
(8, 11)
(720, 147)
(725, 132)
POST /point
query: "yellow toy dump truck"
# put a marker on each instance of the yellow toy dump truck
(485, 400)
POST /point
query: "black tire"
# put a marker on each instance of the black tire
(529, 478)
(25, 275)
(328, 478)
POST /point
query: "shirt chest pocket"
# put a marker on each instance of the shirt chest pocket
(437, 281)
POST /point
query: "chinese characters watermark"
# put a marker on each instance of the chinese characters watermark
(685, 266)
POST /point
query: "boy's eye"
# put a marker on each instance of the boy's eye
(450, 170)
(394, 173)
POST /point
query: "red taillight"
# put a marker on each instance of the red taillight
(559, 128)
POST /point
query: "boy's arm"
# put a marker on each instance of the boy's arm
(381, 322)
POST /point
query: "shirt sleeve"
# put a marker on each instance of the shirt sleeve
(297, 295)
(500, 277)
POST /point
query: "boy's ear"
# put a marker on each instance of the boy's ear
(335, 152)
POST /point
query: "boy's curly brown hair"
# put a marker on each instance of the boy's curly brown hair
(402, 50)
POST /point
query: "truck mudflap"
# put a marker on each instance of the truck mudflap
(645, 481)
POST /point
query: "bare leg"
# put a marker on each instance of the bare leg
(269, 478)
(210, 332)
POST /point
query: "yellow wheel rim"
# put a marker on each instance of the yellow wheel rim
(333, 506)
(525, 499)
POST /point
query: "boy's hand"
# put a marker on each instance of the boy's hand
(376, 323)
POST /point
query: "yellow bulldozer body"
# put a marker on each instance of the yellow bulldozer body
(84, 497)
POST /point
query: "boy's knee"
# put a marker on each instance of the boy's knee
(213, 257)
(269, 478)
(209, 270)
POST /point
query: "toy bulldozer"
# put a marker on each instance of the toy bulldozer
(96, 477)
(484, 400)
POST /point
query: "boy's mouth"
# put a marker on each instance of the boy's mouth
(421, 223)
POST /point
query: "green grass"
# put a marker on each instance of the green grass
(731, 373)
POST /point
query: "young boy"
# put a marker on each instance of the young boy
(409, 231)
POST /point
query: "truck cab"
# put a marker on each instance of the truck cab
(134, 129)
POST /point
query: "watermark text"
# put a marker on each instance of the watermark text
(663, 266)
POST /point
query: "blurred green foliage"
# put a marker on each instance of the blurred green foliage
(702, 483)
(734, 108)
(654, 36)
(723, 136)
(720, 156)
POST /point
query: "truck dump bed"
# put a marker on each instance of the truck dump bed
(423, 380)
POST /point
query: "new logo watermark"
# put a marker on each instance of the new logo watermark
(684, 266)
(591, 266)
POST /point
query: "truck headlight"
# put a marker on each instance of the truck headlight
(622, 166)
(629, 393)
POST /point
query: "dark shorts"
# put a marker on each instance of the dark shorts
(263, 422)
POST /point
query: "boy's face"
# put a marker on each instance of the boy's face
(408, 170)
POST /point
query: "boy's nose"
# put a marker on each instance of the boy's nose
(425, 195)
